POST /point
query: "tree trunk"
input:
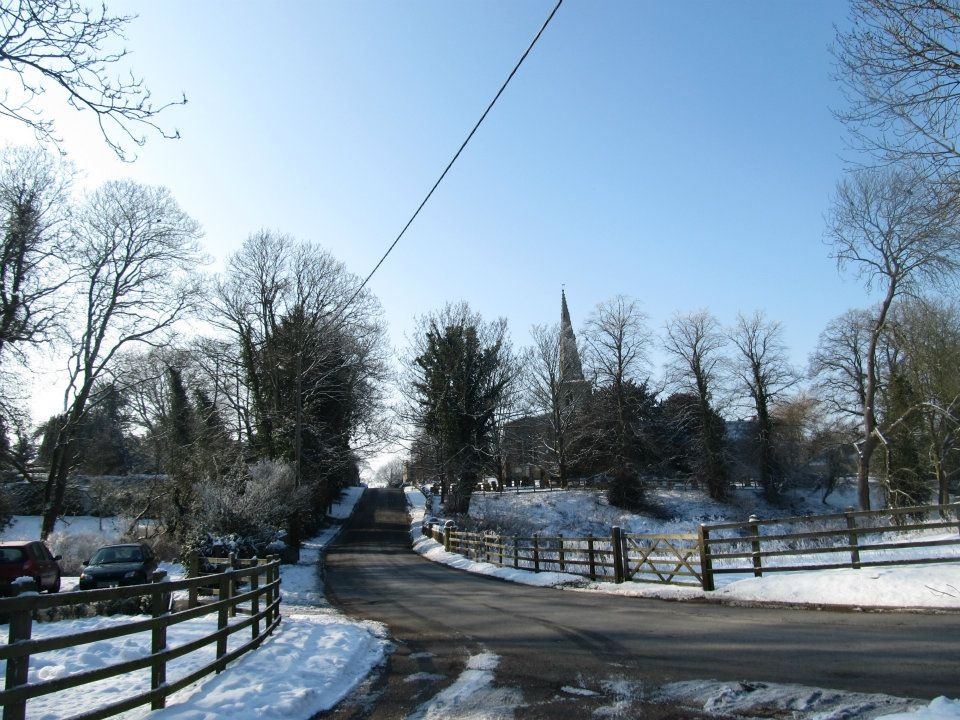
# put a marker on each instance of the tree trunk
(768, 471)
(943, 485)
(863, 469)
(55, 489)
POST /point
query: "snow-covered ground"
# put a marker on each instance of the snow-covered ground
(314, 658)
(318, 656)
(581, 512)
(933, 587)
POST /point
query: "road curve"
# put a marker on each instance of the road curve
(549, 639)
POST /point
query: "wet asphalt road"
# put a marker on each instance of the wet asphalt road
(550, 641)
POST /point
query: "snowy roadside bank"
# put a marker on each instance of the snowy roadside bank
(314, 659)
(932, 587)
(928, 588)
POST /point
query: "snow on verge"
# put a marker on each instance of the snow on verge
(310, 664)
(432, 550)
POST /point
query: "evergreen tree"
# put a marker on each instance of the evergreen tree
(905, 474)
(460, 376)
(626, 439)
(103, 447)
(180, 432)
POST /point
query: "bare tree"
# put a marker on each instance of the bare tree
(219, 370)
(899, 66)
(838, 364)
(694, 344)
(314, 368)
(142, 375)
(62, 46)
(811, 442)
(276, 286)
(134, 266)
(764, 373)
(559, 436)
(391, 473)
(617, 341)
(898, 232)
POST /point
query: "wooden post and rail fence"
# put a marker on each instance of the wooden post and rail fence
(250, 588)
(852, 539)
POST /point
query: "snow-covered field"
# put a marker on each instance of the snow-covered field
(923, 587)
(314, 659)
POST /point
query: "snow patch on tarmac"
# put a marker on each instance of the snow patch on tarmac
(472, 696)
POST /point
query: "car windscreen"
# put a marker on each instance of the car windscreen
(105, 556)
(10, 555)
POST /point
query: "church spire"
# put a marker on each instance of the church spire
(571, 369)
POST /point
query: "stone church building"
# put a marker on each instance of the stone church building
(526, 455)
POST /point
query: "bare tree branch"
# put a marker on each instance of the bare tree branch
(64, 47)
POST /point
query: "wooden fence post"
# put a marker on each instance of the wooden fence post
(274, 596)
(233, 582)
(193, 570)
(226, 584)
(18, 669)
(159, 608)
(854, 540)
(516, 551)
(255, 603)
(536, 553)
(755, 543)
(560, 556)
(590, 558)
(706, 562)
(267, 593)
(446, 538)
(616, 542)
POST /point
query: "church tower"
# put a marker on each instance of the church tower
(574, 387)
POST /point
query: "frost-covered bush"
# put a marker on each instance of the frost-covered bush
(164, 546)
(75, 549)
(255, 503)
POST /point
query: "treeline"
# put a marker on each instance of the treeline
(728, 407)
(248, 396)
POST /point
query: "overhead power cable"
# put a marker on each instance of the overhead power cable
(460, 150)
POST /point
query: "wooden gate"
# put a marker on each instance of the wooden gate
(662, 559)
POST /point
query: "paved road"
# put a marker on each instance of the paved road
(553, 642)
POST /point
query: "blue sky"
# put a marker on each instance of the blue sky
(681, 153)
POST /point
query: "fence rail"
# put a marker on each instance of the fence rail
(665, 558)
(237, 591)
(853, 539)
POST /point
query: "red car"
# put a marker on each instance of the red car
(28, 558)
